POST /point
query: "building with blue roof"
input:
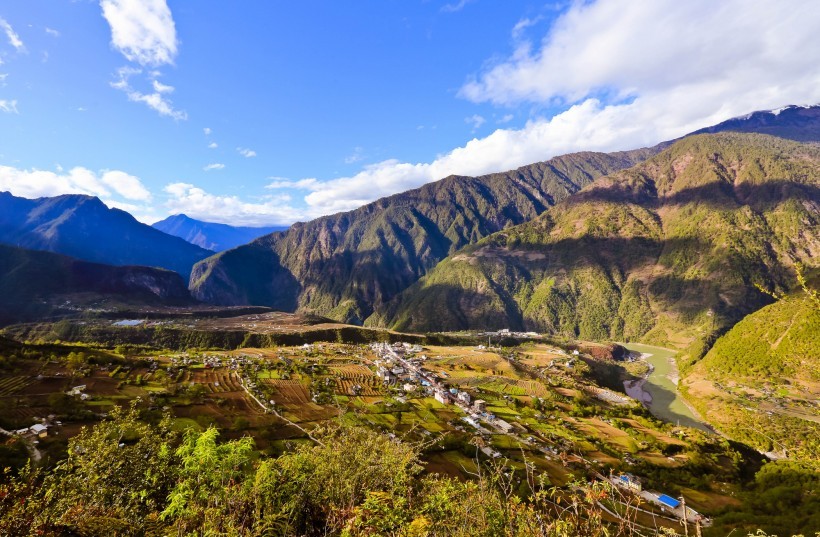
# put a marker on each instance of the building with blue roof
(668, 501)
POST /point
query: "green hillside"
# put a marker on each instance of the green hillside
(346, 265)
(666, 252)
(760, 382)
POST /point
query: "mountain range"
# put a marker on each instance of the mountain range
(351, 265)
(347, 265)
(85, 228)
(668, 251)
(209, 235)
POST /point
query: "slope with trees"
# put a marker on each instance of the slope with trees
(38, 284)
(665, 252)
(345, 265)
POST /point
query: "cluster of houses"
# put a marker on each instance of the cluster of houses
(506, 332)
(401, 362)
(38, 430)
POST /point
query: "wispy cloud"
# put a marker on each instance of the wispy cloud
(214, 166)
(310, 183)
(356, 156)
(207, 131)
(213, 145)
(523, 24)
(142, 30)
(476, 121)
(8, 106)
(156, 100)
(245, 152)
(11, 35)
(159, 87)
(506, 119)
(457, 6)
(52, 32)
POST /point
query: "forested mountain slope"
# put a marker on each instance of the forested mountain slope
(37, 284)
(345, 265)
(760, 382)
(666, 252)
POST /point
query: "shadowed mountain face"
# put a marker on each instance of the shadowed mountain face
(83, 227)
(667, 251)
(214, 237)
(37, 283)
(345, 265)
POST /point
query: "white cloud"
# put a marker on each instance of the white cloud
(475, 120)
(197, 203)
(43, 183)
(629, 74)
(9, 106)
(634, 48)
(156, 100)
(144, 213)
(213, 145)
(214, 166)
(52, 32)
(142, 30)
(11, 35)
(245, 152)
(159, 87)
(356, 156)
(507, 118)
(310, 183)
(458, 6)
(207, 131)
(522, 25)
(127, 186)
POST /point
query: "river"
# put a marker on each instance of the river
(660, 385)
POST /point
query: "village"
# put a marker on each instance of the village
(533, 409)
(402, 363)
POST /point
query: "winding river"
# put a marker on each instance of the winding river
(660, 390)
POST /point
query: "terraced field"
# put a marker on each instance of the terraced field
(218, 381)
(350, 375)
(11, 385)
(289, 392)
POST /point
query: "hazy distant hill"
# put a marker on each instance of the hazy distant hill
(211, 236)
(37, 283)
(345, 265)
(667, 251)
(83, 227)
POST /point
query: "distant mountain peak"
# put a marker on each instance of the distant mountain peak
(211, 235)
(794, 122)
(84, 227)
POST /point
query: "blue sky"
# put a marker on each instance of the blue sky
(267, 112)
